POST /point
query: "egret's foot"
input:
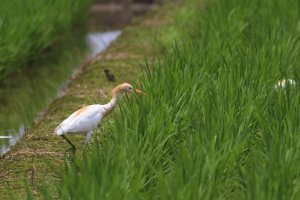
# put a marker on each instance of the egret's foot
(71, 153)
(72, 150)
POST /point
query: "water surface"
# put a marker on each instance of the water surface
(98, 41)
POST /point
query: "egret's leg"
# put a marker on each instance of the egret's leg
(72, 145)
(88, 137)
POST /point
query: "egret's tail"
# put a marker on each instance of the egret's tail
(59, 130)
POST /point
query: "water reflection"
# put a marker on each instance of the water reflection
(98, 42)
(12, 138)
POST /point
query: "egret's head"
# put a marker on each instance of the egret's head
(125, 87)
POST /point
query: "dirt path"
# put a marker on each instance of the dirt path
(39, 155)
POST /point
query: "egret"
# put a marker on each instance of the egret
(281, 84)
(86, 119)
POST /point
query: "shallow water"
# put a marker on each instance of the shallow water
(98, 41)
(12, 139)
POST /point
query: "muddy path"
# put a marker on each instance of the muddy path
(39, 155)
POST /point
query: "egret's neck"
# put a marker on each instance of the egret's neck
(113, 102)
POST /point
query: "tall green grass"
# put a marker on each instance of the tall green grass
(211, 125)
(31, 27)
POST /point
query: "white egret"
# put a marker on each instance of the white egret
(86, 119)
(283, 83)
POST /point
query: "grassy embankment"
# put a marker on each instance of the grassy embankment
(30, 28)
(211, 126)
(39, 155)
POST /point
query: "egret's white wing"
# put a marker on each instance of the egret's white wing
(82, 120)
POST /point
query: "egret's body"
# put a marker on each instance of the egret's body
(83, 120)
(281, 84)
(86, 119)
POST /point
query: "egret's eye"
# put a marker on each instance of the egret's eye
(129, 88)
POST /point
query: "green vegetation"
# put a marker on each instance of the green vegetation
(211, 126)
(29, 28)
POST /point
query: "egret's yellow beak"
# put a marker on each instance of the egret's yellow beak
(139, 92)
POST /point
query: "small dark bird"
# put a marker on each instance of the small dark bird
(109, 76)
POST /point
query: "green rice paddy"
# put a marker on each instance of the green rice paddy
(211, 126)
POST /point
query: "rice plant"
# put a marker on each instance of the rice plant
(212, 126)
